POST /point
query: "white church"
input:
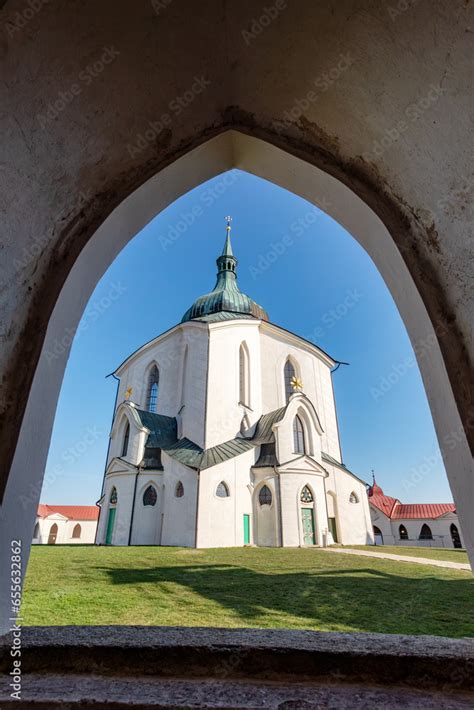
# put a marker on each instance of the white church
(225, 434)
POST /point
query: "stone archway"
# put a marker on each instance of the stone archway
(214, 157)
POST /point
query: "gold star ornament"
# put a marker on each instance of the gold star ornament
(128, 392)
(296, 384)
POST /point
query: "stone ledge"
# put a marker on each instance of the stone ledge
(421, 662)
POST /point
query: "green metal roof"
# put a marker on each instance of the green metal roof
(226, 297)
(163, 435)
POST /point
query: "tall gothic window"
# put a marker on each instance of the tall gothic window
(298, 436)
(126, 437)
(150, 496)
(152, 392)
(289, 372)
(113, 496)
(425, 533)
(244, 389)
(179, 492)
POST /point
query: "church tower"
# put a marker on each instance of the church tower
(225, 434)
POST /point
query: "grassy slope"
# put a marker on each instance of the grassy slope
(432, 553)
(253, 587)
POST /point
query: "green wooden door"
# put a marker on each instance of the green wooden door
(246, 529)
(110, 526)
(307, 520)
(333, 528)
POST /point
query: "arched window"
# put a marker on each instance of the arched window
(126, 437)
(77, 531)
(265, 496)
(298, 436)
(455, 536)
(36, 531)
(306, 495)
(425, 532)
(179, 492)
(353, 498)
(289, 372)
(244, 386)
(402, 531)
(152, 391)
(378, 537)
(113, 496)
(150, 496)
(222, 491)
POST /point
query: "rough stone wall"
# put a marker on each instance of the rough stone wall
(97, 97)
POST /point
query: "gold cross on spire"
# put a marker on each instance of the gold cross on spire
(228, 219)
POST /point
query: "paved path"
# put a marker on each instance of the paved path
(401, 558)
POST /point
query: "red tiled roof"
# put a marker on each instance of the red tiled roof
(422, 510)
(74, 512)
(383, 503)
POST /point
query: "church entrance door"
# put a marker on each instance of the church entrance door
(53, 533)
(110, 526)
(307, 520)
(246, 529)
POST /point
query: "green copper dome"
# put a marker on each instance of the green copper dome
(226, 301)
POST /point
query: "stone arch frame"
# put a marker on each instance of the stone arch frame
(144, 487)
(315, 175)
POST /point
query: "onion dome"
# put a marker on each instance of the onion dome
(225, 301)
(374, 489)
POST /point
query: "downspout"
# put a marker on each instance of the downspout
(198, 473)
(133, 505)
(108, 451)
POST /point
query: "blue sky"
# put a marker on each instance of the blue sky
(310, 275)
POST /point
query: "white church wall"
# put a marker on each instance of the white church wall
(224, 412)
(266, 518)
(220, 521)
(276, 347)
(179, 521)
(124, 483)
(146, 525)
(353, 521)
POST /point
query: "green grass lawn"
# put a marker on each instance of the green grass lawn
(432, 553)
(244, 587)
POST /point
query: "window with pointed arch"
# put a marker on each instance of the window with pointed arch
(150, 496)
(425, 532)
(76, 533)
(152, 390)
(289, 372)
(179, 492)
(113, 496)
(265, 496)
(126, 438)
(353, 498)
(244, 375)
(222, 490)
(402, 531)
(299, 446)
(306, 495)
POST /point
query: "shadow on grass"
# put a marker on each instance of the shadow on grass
(363, 599)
